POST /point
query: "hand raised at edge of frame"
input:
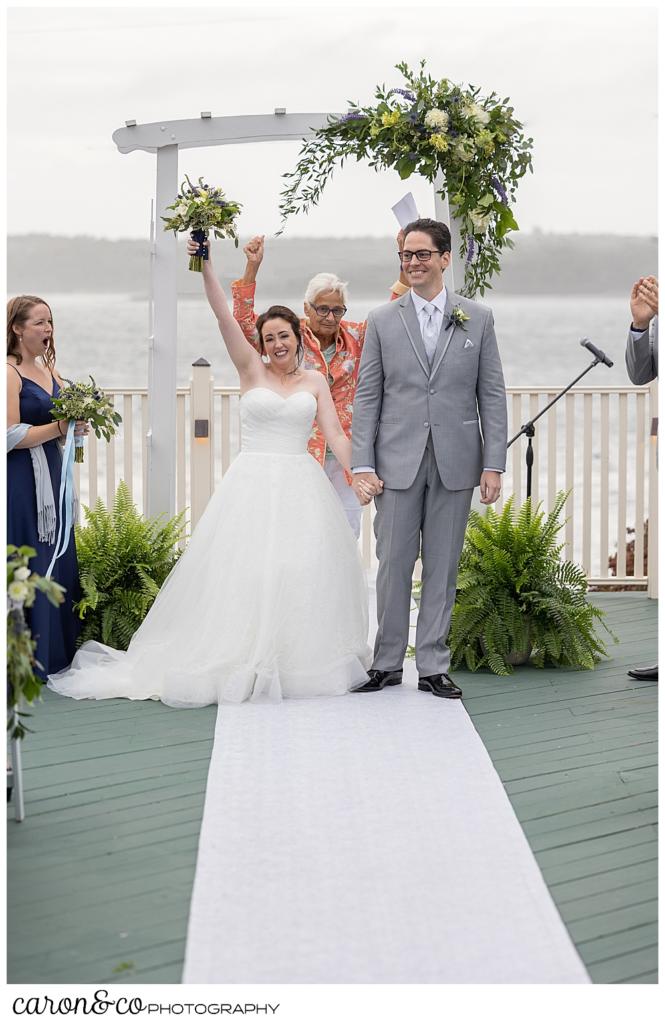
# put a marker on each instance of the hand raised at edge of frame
(643, 302)
(648, 291)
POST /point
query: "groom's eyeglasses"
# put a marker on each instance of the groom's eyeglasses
(422, 255)
(323, 311)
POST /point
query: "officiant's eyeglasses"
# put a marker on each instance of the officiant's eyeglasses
(422, 255)
(323, 311)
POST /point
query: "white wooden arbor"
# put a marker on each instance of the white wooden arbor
(166, 138)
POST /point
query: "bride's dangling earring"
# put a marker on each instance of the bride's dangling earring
(265, 358)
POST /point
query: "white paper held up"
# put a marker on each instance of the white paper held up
(405, 210)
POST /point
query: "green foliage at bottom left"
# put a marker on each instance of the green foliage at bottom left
(23, 684)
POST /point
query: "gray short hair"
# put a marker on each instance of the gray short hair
(325, 283)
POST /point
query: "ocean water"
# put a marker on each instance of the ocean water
(107, 336)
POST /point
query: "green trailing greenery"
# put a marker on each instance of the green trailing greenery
(123, 561)
(431, 127)
(24, 685)
(517, 599)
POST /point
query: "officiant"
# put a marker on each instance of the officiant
(333, 346)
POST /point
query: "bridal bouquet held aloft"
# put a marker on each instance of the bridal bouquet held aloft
(199, 210)
(79, 401)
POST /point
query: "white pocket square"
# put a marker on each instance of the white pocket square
(468, 343)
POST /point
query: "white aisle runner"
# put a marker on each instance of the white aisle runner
(366, 839)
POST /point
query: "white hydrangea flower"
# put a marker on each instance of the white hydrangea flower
(436, 119)
(480, 219)
(17, 591)
(477, 112)
(21, 573)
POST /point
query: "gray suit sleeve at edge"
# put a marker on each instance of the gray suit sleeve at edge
(491, 395)
(368, 399)
(642, 355)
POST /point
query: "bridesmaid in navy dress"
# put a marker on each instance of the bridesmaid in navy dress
(32, 383)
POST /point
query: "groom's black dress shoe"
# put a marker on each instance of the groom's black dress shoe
(644, 673)
(377, 680)
(440, 685)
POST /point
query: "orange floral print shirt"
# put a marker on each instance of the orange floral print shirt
(341, 374)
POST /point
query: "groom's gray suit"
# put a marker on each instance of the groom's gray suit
(429, 431)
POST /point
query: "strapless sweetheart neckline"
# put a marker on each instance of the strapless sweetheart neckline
(284, 398)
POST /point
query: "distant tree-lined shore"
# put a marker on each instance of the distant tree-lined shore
(548, 264)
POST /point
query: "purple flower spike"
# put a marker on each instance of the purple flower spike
(470, 250)
(402, 92)
(354, 115)
(500, 190)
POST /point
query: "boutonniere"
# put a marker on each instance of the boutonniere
(459, 317)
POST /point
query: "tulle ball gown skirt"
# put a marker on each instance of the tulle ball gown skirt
(269, 600)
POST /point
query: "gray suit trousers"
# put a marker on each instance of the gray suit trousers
(426, 510)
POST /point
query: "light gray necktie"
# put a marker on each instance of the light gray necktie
(430, 332)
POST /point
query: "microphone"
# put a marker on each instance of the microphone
(585, 343)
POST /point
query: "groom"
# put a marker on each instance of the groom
(429, 420)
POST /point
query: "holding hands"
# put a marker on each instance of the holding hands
(366, 486)
(644, 302)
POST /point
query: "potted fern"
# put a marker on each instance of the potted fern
(123, 561)
(517, 600)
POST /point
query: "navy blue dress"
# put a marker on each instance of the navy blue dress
(55, 628)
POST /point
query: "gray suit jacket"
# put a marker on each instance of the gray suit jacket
(399, 400)
(642, 355)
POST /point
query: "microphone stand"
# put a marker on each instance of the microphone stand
(529, 429)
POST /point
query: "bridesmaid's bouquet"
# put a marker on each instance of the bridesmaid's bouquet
(199, 210)
(79, 401)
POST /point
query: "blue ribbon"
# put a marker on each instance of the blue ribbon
(66, 499)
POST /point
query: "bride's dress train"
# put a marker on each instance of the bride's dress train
(269, 599)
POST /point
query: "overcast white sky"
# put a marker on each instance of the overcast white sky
(582, 81)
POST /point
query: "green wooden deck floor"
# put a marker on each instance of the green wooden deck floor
(101, 870)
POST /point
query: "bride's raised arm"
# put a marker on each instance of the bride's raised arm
(245, 358)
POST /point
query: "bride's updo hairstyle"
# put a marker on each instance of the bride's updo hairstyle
(281, 313)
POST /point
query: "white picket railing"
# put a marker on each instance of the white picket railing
(597, 443)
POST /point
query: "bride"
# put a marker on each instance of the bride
(269, 599)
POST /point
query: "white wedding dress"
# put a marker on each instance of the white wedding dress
(269, 599)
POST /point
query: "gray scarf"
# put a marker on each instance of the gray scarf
(46, 517)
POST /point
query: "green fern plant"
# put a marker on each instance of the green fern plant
(516, 598)
(123, 561)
